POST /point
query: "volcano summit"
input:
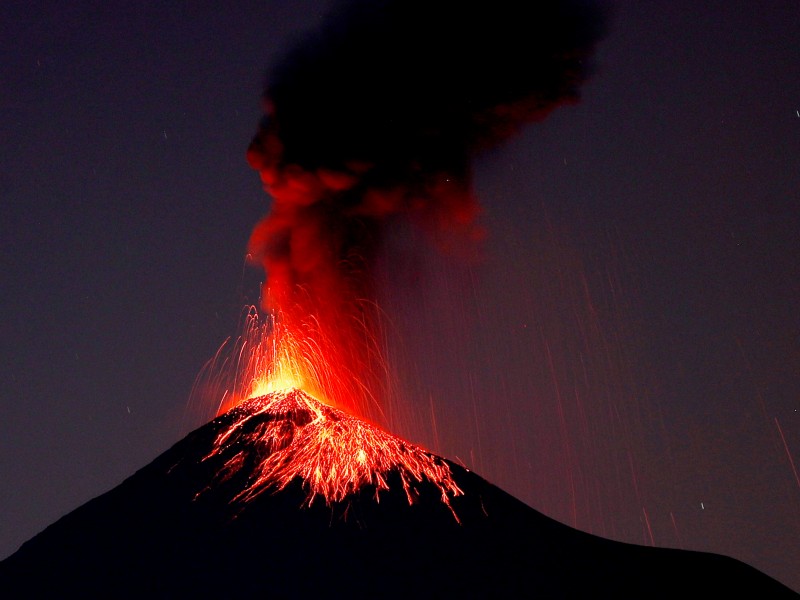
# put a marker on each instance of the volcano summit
(285, 496)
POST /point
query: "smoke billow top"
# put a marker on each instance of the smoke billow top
(378, 115)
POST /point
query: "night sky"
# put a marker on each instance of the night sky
(623, 353)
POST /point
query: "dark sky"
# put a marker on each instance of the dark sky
(624, 355)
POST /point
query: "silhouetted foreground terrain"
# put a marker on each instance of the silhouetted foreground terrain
(172, 531)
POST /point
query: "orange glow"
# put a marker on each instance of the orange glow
(289, 417)
(280, 352)
(294, 435)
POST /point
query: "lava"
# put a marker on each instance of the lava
(288, 414)
(278, 351)
(287, 434)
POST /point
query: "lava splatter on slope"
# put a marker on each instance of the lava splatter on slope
(288, 434)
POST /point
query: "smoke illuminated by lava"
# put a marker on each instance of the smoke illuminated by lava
(377, 117)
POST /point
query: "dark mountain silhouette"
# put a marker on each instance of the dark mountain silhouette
(207, 520)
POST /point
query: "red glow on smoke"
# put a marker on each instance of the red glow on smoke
(318, 352)
(317, 247)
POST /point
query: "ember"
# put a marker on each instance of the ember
(288, 434)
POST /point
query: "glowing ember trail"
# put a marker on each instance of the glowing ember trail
(287, 434)
(277, 353)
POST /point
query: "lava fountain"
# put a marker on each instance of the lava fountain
(376, 118)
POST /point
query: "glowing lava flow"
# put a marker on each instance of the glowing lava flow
(287, 434)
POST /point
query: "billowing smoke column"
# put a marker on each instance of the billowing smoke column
(377, 116)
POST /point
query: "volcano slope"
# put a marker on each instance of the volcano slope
(284, 496)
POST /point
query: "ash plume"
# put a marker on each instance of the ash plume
(378, 115)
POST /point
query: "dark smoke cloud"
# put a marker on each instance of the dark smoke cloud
(414, 86)
(379, 113)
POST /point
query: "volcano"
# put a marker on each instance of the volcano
(286, 496)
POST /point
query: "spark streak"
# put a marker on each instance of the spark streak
(288, 435)
(788, 454)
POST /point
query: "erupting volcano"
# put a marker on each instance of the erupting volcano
(295, 488)
(374, 118)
